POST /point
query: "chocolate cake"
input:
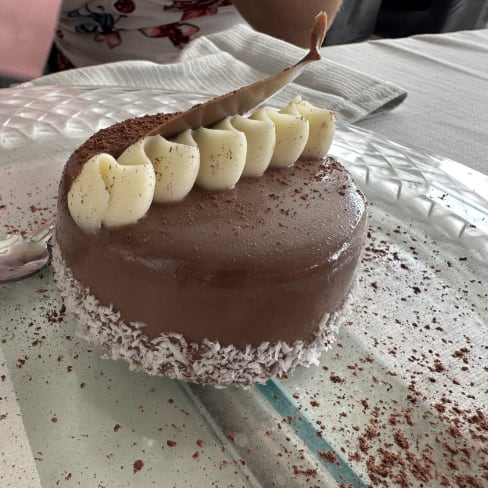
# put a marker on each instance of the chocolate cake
(223, 287)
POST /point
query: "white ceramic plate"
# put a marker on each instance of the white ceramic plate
(400, 399)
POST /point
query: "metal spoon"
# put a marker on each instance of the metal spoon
(21, 257)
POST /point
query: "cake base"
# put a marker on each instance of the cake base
(169, 354)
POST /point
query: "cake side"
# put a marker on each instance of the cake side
(171, 355)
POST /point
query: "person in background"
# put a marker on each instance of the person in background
(98, 31)
(91, 32)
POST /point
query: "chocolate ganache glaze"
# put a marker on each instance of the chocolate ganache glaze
(263, 262)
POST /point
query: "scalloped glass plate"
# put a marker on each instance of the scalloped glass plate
(399, 401)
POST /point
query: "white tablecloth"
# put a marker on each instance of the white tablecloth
(446, 76)
(17, 465)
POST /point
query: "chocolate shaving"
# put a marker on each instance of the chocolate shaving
(246, 98)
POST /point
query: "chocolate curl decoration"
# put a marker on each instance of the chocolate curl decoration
(247, 98)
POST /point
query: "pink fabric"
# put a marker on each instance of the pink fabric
(26, 32)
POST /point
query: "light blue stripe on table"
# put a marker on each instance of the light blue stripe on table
(284, 404)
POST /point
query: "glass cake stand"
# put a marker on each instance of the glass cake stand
(400, 400)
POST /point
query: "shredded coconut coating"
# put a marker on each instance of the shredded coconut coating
(171, 355)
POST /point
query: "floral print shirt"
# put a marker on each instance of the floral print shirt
(100, 31)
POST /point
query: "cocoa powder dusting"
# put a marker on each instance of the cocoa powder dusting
(137, 466)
